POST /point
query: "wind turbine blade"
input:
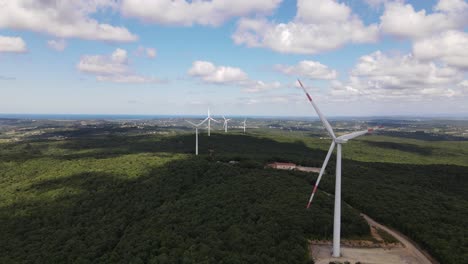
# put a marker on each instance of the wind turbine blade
(321, 116)
(193, 124)
(206, 119)
(354, 134)
(214, 120)
(322, 170)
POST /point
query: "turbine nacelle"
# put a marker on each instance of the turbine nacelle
(225, 124)
(345, 138)
(340, 140)
(209, 119)
(196, 132)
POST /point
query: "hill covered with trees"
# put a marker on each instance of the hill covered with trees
(94, 198)
(142, 200)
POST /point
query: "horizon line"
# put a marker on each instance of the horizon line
(436, 116)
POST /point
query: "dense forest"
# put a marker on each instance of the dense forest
(107, 198)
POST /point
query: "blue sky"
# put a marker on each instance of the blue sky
(372, 57)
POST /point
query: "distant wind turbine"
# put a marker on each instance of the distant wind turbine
(336, 141)
(225, 124)
(196, 133)
(209, 119)
(244, 124)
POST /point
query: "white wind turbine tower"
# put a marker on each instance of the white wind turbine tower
(225, 124)
(244, 124)
(336, 141)
(196, 133)
(209, 118)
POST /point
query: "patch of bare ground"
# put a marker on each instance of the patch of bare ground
(384, 247)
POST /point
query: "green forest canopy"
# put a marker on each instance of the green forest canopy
(138, 199)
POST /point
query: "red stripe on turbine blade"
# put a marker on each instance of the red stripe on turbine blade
(370, 130)
(315, 189)
(308, 96)
(300, 83)
(308, 205)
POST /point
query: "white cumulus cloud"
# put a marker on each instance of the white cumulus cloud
(319, 26)
(101, 64)
(436, 36)
(451, 47)
(308, 69)
(401, 20)
(63, 19)
(12, 44)
(112, 68)
(380, 76)
(211, 73)
(187, 13)
(208, 72)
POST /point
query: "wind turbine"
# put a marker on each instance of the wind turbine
(196, 133)
(336, 141)
(225, 124)
(209, 118)
(244, 124)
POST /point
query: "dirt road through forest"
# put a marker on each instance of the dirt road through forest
(409, 245)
